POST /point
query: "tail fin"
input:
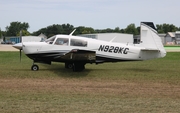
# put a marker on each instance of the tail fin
(150, 39)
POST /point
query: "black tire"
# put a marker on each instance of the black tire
(74, 67)
(68, 65)
(77, 67)
(34, 67)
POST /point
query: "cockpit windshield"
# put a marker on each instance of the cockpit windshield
(62, 41)
(50, 40)
(57, 40)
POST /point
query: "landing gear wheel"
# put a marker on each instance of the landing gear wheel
(77, 67)
(69, 65)
(34, 67)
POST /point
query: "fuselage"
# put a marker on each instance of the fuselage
(54, 48)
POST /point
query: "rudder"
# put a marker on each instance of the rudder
(150, 39)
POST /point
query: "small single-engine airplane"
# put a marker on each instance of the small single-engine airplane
(76, 51)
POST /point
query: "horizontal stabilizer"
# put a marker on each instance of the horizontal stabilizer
(149, 49)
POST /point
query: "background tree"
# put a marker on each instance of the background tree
(24, 33)
(67, 28)
(164, 28)
(55, 29)
(79, 30)
(15, 28)
(122, 31)
(83, 30)
(108, 30)
(138, 29)
(117, 30)
(0, 34)
(131, 29)
(42, 30)
(88, 30)
(52, 30)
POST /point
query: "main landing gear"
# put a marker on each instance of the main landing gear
(68, 65)
(76, 66)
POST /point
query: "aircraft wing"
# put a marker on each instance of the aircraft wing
(80, 55)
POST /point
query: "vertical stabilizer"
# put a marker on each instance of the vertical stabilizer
(150, 39)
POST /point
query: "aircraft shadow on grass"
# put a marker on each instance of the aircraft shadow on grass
(59, 70)
(139, 70)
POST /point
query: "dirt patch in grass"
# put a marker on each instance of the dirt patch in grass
(122, 88)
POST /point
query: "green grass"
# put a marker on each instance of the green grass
(172, 46)
(146, 86)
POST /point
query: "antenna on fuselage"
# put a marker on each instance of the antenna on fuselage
(72, 32)
(112, 39)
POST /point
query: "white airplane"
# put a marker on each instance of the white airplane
(76, 51)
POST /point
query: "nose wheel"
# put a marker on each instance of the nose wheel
(34, 67)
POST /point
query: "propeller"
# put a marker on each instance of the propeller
(20, 50)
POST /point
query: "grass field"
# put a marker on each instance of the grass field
(139, 87)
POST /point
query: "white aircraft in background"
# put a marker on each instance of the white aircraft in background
(76, 51)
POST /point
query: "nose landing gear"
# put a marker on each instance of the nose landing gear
(34, 67)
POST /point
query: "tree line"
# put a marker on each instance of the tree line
(15, 27)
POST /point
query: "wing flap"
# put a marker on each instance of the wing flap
(80, 55)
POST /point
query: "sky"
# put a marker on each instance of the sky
(98, 14)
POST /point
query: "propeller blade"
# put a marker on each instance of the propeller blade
(22, 45)
(20, 54)
(20, 35)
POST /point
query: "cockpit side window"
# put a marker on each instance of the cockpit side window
(50, 40)
(78, 42)
(62, 41)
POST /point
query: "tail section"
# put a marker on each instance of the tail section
(151, 42)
